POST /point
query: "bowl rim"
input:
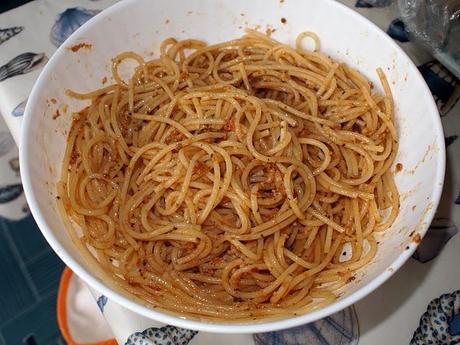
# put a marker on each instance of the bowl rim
(207, 326)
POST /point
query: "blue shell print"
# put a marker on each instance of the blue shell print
(339, 329)
(10, 192)
(21, 64)
(440, 324)
(372, 3)
(69, 21)
(167, 335)
(19, 109)
(6, 34)
(397, 30)
(101, 302)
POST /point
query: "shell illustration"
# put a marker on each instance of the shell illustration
(440, 322)
(168, 335)
(9, 193)
(69, 21)
(19, 110)
(6, 34)
(339, 329)
(372, 3)
(101, 302)
(6, 142)
(22, 64)
(397, 31)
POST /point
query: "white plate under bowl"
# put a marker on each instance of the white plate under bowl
(140, 25)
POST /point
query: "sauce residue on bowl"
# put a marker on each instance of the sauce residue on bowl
(79, 46)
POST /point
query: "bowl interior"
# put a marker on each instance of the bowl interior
(141, 25)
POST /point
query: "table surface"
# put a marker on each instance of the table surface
(391, 314)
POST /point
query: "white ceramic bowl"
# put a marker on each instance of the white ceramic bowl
(140, 25)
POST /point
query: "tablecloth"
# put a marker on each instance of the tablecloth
(418, 305)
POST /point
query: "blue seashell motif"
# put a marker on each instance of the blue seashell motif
(22, 64)
(440, 324)
(397, 30)
(444, 86)
(6, 34)
(372, 3)
(101, 302)
(6, 142)
(168, 335)
(9, 193)
(19, 110)
(341, 328)
(440, 232)
(69, 21)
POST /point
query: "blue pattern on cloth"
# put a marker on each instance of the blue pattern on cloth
(19, 109)
(397, 30)
(439, 324)
(6, 34)
(68, 22)
(168, 335)
(372, 3)
(101, 302)
(22, 64)
(10, 192)
(341, 328)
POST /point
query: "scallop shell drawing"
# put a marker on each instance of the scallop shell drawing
(69, 21)
(372, 3)
(10, 192)
(21, 64)
(20, 108)
(168, 335)
(440, 322)
(6, 34)
(101, 302)
(341, 328)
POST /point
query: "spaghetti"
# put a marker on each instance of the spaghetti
(225, 181)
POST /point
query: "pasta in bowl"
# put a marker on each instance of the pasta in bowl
(226, 182)
(246, 181)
